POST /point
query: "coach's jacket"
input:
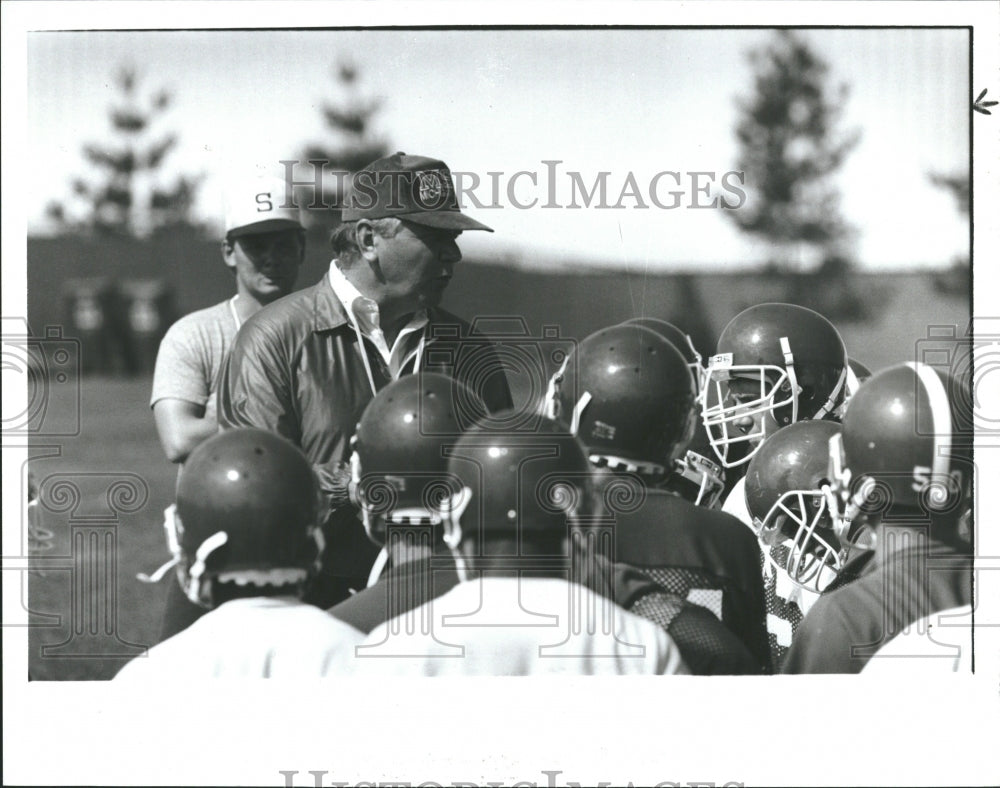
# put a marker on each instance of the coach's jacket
(295, 369)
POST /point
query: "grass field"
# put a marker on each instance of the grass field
(117, 443)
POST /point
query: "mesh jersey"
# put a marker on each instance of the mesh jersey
(707, 646)
(786, 605)
(703, 556)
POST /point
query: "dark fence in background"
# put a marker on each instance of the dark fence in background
(119, 295)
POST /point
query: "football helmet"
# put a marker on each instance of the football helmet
(788, 497)
(399, 460)
(902, 447)
(679, 340)
(628, 394)
(776, 364)
(696, 476)
(248, 510)
(518, 482)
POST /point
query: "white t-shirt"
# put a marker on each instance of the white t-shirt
(516, 627)
(191, 354)
(258, 637)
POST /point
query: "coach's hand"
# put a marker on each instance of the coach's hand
(335, 484)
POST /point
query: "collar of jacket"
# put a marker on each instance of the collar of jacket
(328, 312)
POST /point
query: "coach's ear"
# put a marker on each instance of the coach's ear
(364, 236)
(229, 254)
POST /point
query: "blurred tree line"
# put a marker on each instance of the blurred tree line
(353, 141)
(958, 278)
(126, 195)
(135, 212)
(790, 149)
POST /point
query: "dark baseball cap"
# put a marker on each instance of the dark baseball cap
(414, 188)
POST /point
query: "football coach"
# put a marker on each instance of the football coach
(306, 366)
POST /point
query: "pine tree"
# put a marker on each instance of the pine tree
(127, 197)
(789, 149)
(956, 280)
(353, 143)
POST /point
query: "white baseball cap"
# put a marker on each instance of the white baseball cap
(261, 205)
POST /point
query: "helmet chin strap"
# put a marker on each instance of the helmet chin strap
(852, 382)
(380, 561)
(461, 568)
(171, 525)
(831, 401)
(578, 409)
(452, 517)
(786, 350)
(452, 525)
(550, 405)
(205, 549)
(158, 575)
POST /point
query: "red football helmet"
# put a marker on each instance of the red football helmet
(628, 394)
(248, 510)
(679, 340)
(904, 445)
(399, 463)
(776, 364)
(695, 477)
(788, 496)
(515, 484)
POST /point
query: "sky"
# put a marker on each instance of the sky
(615, 101)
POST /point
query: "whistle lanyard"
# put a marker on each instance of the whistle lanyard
(416, 354)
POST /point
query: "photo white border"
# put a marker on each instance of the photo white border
(777, 730)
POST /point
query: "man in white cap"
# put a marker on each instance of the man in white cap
(264, 246)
